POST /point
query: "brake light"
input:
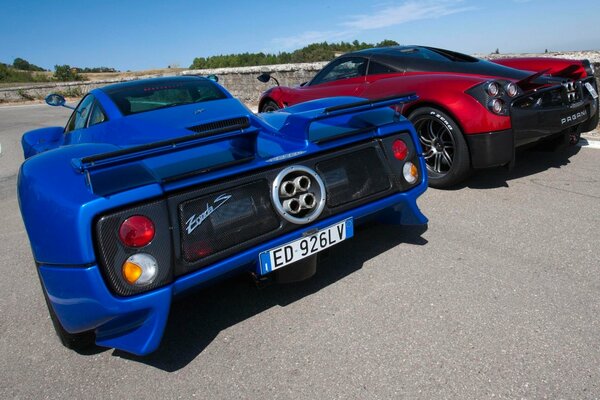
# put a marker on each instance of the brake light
(493, 89)
(136, 231)
(496, 106)
(399, 149)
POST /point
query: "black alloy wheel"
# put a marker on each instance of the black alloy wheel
(444, 148)
(269, 106)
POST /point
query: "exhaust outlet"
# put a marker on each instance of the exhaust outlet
(307, 201)
(302, 183)
(292, 206)
(287, 189)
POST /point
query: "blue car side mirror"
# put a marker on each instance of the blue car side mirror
(213, 77)
(56, 100)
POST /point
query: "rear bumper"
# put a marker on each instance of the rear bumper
(135, 324)
(530, 125)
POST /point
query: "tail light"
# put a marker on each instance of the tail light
(137, 231)
(512, 90)
(492, 88)
(496, 95)
(120, 238)
(399, 149)
(410, 172)
(140, 269)
(496, 106)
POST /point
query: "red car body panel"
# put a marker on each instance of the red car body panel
(554, 95)
(572, 69)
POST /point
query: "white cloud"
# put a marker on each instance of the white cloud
(389, 15)
(407, 12)
(292, 42)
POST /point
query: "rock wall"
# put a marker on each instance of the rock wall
(241, 82)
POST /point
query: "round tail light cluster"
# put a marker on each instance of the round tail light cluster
(512, 90)
(496, 105)
(137, 231)
(140, 269)
(399, 149)
(493, 89)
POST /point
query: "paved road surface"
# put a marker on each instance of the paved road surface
(499, 298)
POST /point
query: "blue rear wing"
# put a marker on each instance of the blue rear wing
(116, 171)
(320, 125)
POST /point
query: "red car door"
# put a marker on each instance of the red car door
(377, 84)
(342, 77)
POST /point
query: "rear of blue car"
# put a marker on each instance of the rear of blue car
(292, 184)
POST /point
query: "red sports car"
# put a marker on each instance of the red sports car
(471, 113)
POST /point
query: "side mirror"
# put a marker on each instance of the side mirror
(55, 100)
(266, 77)
(213, 78)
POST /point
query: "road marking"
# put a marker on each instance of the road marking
(592, 144)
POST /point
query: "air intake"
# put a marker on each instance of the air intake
(225, 125)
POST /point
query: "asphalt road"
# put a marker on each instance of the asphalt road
(498, 298)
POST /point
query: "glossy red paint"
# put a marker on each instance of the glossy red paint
(574, 69)
(441, 90)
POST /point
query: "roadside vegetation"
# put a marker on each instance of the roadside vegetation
(22, 71)
(311, 53)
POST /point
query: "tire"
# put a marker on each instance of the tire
(269, 106)
(444, 147)
(75, 341)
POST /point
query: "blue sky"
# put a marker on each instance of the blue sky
(153, 34)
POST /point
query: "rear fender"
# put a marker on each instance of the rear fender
(446, 92)
(40, 140)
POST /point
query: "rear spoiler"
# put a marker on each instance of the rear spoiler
(530, 78)
(119, 170)
(299, 124)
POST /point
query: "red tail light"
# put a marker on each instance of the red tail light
(136, 231)
(399, 149)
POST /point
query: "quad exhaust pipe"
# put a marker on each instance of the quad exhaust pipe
(292, 206)
(306, 201)
(298, 185)
(302, 183)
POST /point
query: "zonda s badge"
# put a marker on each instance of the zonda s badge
(196, 220)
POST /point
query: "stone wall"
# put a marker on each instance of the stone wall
(241, 82)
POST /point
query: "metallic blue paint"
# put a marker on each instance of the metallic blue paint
(59, 207)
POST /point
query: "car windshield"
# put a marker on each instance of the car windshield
(148, 96)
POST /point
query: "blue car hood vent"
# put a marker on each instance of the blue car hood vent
(233, 124)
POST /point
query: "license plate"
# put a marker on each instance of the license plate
(591, 89)
(299, 249)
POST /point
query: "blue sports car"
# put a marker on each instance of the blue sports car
(159, 186)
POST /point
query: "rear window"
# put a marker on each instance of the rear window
(148, 96)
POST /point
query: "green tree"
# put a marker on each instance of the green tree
(24, 65)
(313, 52)
(65, 73)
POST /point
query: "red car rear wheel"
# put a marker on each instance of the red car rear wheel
(444, 147)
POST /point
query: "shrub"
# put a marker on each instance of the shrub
(65, 73)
